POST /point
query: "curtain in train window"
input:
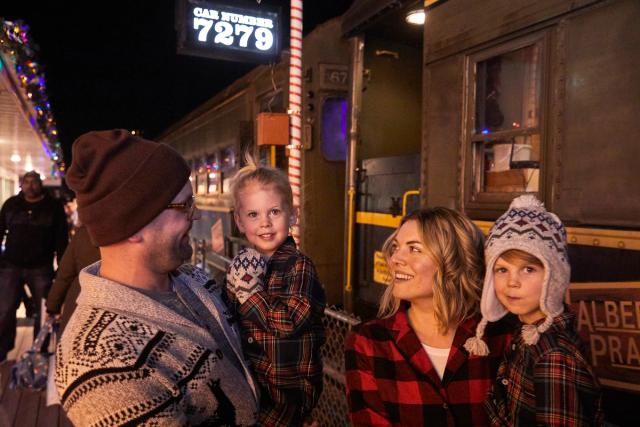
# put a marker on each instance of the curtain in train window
(333, 133)
(506, 135)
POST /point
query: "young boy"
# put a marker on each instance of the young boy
(544, 378)
(276, 293)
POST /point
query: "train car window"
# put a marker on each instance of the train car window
(201, 182)
(192, 181)
(505, 138)
(213, 182)
(333, 134)
(228, 159)
(213, 174)
(228, 163)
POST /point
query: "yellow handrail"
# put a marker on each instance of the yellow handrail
(405, 196)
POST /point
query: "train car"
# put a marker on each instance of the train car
(508, 97)
(215, 136)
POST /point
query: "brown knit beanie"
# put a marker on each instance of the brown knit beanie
(122, 182)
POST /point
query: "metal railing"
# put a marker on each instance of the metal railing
(332, 409)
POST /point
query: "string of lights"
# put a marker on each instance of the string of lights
(15, 43)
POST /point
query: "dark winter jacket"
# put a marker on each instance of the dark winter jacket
(33, 231)
(66, 287)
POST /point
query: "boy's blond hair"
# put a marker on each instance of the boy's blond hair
(513, 255)
(455, 245)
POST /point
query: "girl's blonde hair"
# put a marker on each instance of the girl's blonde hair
(456, 246)
(264, 176)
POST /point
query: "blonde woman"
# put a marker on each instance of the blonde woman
(409, 366)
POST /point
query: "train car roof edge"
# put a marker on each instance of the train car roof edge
(227, 92)
(362, 13)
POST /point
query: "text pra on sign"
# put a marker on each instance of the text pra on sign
(608, 320)
(229, 30)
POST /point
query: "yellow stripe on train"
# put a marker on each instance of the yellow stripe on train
(617, 239)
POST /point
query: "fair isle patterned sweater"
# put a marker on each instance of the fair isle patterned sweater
(125, 359)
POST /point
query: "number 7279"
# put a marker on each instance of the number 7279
(225, 33)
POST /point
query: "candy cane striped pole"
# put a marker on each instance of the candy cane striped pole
(295, 110)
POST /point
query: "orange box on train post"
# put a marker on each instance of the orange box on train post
(608, 321)
(273, 129)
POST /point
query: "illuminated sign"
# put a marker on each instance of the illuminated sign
(608, 320)
(231, 30)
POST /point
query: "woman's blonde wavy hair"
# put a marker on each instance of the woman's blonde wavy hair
(264, 176)
(456, 246)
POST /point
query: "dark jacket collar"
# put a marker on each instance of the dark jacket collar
(286, 250)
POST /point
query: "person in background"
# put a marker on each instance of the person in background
(151, 341)
(278, 297)
(544, 378)
(409, 366)
(66, 286)
(35, 230)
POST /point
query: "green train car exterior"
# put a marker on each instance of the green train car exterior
(500, 98)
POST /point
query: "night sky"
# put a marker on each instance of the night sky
(113, 64)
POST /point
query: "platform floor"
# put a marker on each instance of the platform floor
(20, 407)
(26, 408)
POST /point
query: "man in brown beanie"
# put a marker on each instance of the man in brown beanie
(151, 342)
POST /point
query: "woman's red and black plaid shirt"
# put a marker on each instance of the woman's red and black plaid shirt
(282, 333)
(392, 382)
(550, 383)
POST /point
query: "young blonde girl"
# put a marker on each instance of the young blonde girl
(277, 295)
(544, 378)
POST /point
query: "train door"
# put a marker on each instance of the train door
(325, 99)
(387, 180)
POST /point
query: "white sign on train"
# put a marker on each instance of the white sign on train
(231, 30)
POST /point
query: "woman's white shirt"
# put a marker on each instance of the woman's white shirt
(438, 357)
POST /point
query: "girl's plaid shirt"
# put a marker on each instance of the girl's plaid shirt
(391, 381)
(282, 333)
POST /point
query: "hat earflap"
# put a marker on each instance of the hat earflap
(531, 333)
(476, 345)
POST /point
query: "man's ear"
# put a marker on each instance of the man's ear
(135, 238)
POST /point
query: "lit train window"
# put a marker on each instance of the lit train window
(333, 134)
(201, 182)
(505, 135)
(228, 159)
(213, 174)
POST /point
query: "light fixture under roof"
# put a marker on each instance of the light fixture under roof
(15, 158)
(416, 17)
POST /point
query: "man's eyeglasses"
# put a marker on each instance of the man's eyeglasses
(189, 207)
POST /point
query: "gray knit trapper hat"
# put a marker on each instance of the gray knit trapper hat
(526, 226)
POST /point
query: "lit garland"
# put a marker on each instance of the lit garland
(14, 41)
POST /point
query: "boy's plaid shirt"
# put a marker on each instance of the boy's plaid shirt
(550, 383)
(391, 381)
(282, 333)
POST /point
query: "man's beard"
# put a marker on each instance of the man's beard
(185, 251)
